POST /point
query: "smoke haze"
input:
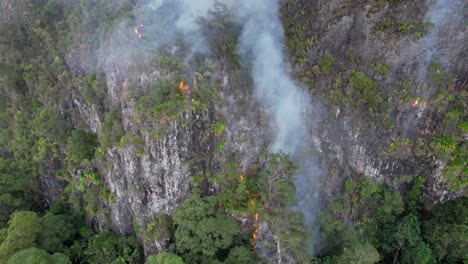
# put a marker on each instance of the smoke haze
(261, 45)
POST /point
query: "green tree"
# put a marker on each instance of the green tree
(201, 233)
(31, 255)
(18, 183)
(57, 230)
(50, 124)
(160, 229)
(112, 129)
(326, 63)
(216, 233)
(164, 258)
(38, 256)
(240, 255)
(358, 254)
(81, 145)
(419, 253)
(23, 229)
(447, 230)
(109, 247)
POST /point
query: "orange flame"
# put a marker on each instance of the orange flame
(252, 203)
(138, 30)
(183, 87)
(416, 102)
(256, 217)
(242, 177)
(254, 236)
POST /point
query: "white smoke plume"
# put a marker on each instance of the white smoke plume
(262, 41)
(261, 46)
(263, 37)
(444, 15)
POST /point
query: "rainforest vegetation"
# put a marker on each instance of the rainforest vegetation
(235, 209)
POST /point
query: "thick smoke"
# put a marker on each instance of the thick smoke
(262, 41)
(261, 46)
(156, 24)
(263, 38)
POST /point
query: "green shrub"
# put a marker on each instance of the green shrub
(218, 128)
(463, 126)
(326, 63)
(367, 89)
(221, 145)
(81, 145)
(161, 228)
(112, 129)
(382, 69)
(439, 78)
(94, 89)
(445, 143)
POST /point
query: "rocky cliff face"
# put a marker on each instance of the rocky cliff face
(152, 175)
(347, 29)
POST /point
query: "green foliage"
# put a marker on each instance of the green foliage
(439, 78)
(359, 213)
(220, 145)
(444, 143)
(240, 255)
(94, 89)
(160, 229)
(415, 196)
(199, 230)
(367, 90)
(238, 190)
(276, 180)
(360, 253)
(164, 101)
(218, 128)
(111, 248)
(447, 231)
(37, 256)
(416, 28)
(164, 258)
(382, 69)
(18, 184)
(463, 126)
(51, 125)
(353, 55)
(296, 21)
(23, 229)
(326, 63)
(420, 253)
(111, 130)
(91, 198)
(57, 231)
(405, 236)
(81, 146)
(222, 33)
(216, 233)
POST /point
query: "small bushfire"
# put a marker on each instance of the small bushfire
(183, 87)
(419, 103)
(138, 30)
(256, 216)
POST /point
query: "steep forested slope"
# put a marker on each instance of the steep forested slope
(194, 132)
